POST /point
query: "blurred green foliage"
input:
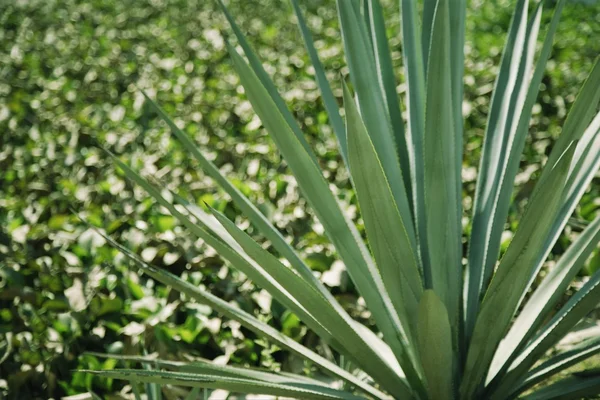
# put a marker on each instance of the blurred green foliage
(69, 78)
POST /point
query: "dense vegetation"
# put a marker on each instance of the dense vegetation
(69, 78)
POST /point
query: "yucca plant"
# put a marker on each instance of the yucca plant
(451, 325)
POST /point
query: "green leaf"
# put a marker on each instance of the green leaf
(541, 304)
(415, 92)
(427, 28)
(580, 115)
(386, 229)
(193, 394)
(153, 390)
(387, 81)
(506, 105)
(372, 341)
(501, 201)
(340, 230)
(267, 83)
(340, 328)
(258, 327)
(136, 391)
(435, 346)
(227, 248)
(569, 388)
(210, 368)
(443, 226)
(510, 280)
(559, 363)
(578, 306)
(587, 155)
(331, 105)
(238, 385)
(248, 209)
(587, 160)
(374, 112)
(457, 14)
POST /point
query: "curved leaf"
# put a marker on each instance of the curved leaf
(559, 363)
(510, 280)
(578, 306)
(238, 385)
(340, 332)
(340, 230)
(546, 296)
(258, 327)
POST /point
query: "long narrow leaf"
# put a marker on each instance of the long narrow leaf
(386, 229)
(510, 83)
(238, 385)
(225, 249)
(343, 335)
(369, 338)
(580, 174)
(575, 388)
(258, 327)
(559, 363)
(341, 231)
(580, 115)
(364, 76)
(545, 298)
(457, 13)
(443, 226)
(286, 286)
(510, 280)
(415, 92)
(249, 210)
(588, 157)
(211, 368)
(266, 81)
(578, 306)
(503, 199)
(387, 81)
(427, 28)
(193, 394)
(329, 101)
(435, 346)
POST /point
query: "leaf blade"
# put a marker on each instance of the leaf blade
(510, 280)
(247, 320)
(577, 307)
(484, 243)
(341, 331)
(568, 388)
(363, 74)
(443, 225)
(238, 385)
(266, 81)
(559, 363)
(249, 210)
(415, 78)
(546, 296)
(329, 100)
(386, 229)
(341, 231)
(435, 345)
(387, 81)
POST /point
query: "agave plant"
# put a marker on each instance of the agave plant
(451, 325)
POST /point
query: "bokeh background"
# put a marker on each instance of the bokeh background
(69, 78)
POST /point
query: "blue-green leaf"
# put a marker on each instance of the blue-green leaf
(435, 346)
(441, 184)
